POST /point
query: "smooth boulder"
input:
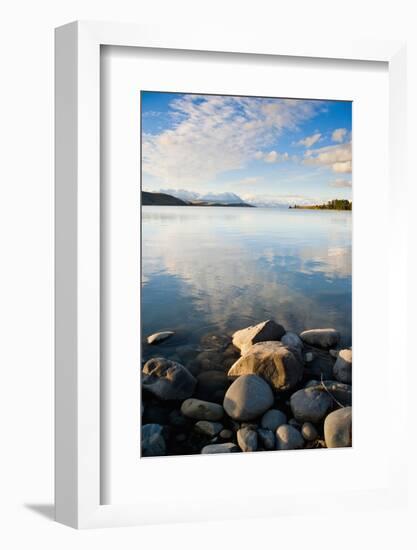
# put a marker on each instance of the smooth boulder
(201, 410)
(321, 337)
(153, 442)
(167, 379)
(272, 419)
(292, 340)
(217, 448)
(342, 369)
(274, 362)
(340, 393)
(248, 397)
(288, 438)
(309, 432)
(310, 404)
(338, 428)
(262, 332)
(247, 439)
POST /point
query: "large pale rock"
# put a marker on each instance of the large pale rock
(310, 404)
(342, 369)
(220, 448)
(338, 428)
(167, 379)
(201, 410)
(272, 419)
(159, 336)
(153, 442)
(321, 337)
(288, 438)
(247, 439)
(248, 397)
(268, 330)
(274, 362)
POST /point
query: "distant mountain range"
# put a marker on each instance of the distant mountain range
(164, 199)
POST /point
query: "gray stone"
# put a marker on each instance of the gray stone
(292, 340)
(274, 362)
(208, 428)
(212, 386)
(267, 330)
(288, 438)
(267, 439)
(338, 428)
(272, 419)
(153, 442)
(321, 337)
(294, 423)
(167, 379)
(159, 337)
(341, 393)
(226, 434)
(309, 432)
(201, 410)
(342, 369)
(310, 404)
(220, 448)
(247, 398)
(247, 439)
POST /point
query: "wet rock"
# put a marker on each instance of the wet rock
(310, 404)
(248, 397)
(322, 337)
(272, 419)
(247, 440)
(153, 442)
(288, 438)
(267, 439)
(309, 432)
(159, 337)
(167, 379)
(201, 410)
(267, 330)
(212, 385)
(220, 448)
(338, 428)
(215, 341)
(177, 419)
(278, 365)
(211, 360)
(342, 369)
(208, 428)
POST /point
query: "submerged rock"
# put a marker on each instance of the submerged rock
(201, 410)
(272, 419)
(248, 397)
(247, 439)
(159, 336)
(212, 385)
(321, 337)
(153, 442)
(338, 428)
(267, 330)
(274, 362)
(310, 404)
(342, 369)
(167, 379)
(288, 438)
(220, 448)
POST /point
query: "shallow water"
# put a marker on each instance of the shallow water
(219, 269)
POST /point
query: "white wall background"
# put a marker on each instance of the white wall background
(26, 285)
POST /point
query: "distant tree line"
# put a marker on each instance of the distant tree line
(335, 204)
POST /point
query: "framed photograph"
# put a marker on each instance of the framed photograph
(228, 220)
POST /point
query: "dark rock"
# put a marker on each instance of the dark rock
(342, 369)
(248, 397)
(247, 440)
(226, 434)
(322, 337)
(267, 439)
(212, 385)
(340, 393)
(153, 442)
(201, 410)
(288, 438)
(208, 428)
(167, 379)
(309, 432)
(272, 419)
(310, 404)
(215, 341)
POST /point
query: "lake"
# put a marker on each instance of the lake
(220, 269)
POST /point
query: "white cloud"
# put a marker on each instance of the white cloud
(309, 141)
(340, 183)
(272, 157)
(339, 135)
(251, 180)
(336, 157)
(214, 134)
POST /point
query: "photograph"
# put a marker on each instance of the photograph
(246, 273)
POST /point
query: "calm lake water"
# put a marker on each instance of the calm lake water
(215, 270)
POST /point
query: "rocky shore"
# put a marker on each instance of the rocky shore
(261, 389)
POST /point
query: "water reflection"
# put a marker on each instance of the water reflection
(224, 268)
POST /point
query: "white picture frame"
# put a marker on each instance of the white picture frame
(78, 258)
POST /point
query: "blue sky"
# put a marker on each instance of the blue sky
(267, 151)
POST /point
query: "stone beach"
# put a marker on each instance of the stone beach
(261, 388)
